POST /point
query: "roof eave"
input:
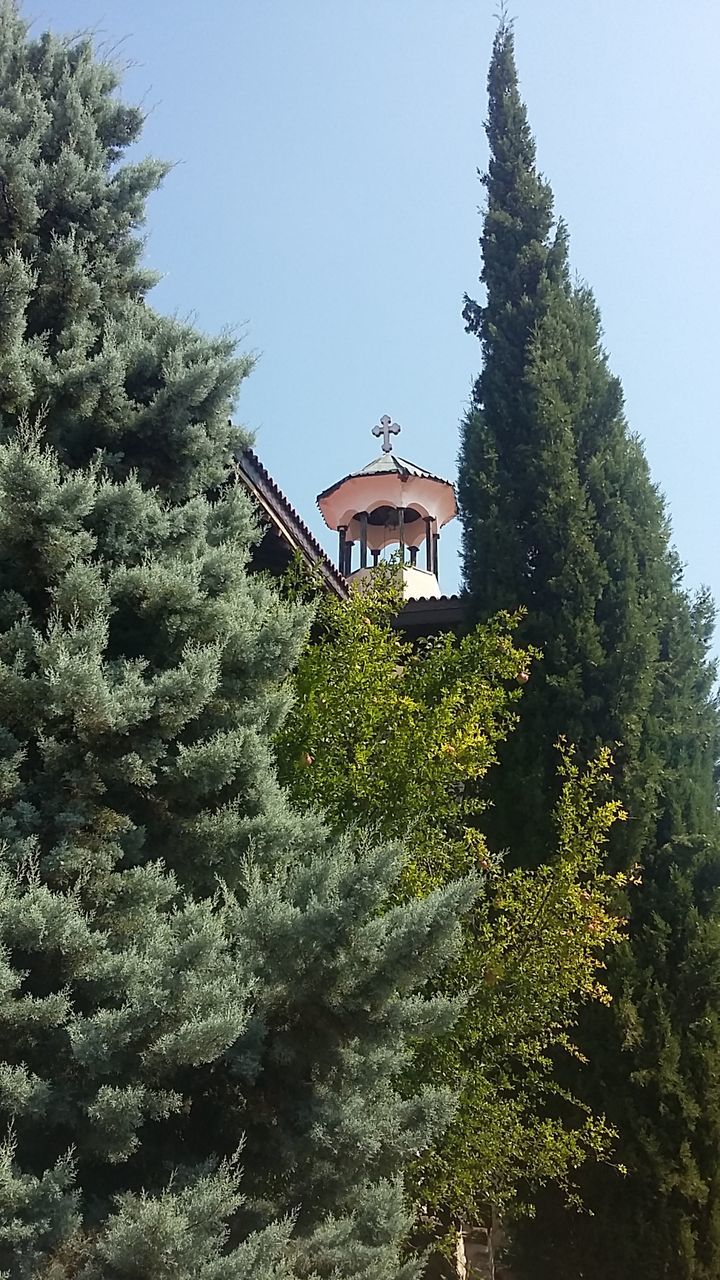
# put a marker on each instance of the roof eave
(276, 506)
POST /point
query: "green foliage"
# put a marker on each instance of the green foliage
(662, 1045)
(401, 739)
(559, 516)
(76, 340)
(392, 736)
(561, 520)
(189, 967)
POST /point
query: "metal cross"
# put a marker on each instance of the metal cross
(387, 428)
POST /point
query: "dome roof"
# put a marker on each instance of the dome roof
(386, 464)
(388, 480)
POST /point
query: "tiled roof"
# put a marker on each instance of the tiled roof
(419, 616)
(387, 463)
(285, 519)
(454, 599)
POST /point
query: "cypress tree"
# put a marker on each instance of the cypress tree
(560, 517)
(187, 964)
(558, 512)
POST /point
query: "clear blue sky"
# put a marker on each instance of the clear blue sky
(325, 202)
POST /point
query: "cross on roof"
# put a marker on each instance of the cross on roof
(386, 429)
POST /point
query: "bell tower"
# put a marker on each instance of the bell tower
(391, 504)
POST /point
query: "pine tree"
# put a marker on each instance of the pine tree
(187, 964)
(560, 517)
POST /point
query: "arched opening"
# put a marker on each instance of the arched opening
(409, 532)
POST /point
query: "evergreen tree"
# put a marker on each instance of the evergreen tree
(187, 964)
(558, 512)
(560, 517)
